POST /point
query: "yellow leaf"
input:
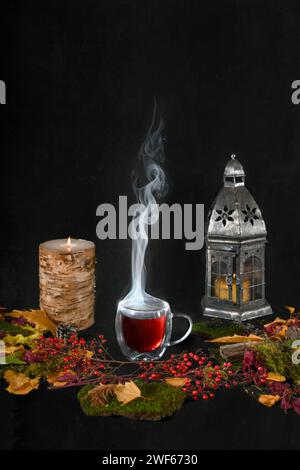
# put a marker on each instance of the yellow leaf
(20, 384)
(20, 339)
(176, 381)
(127, 392)
(269, 400)
(38, 317)
(89, 354)
(290, 309)
(276, 377)
(53, 378)
(12, 349)
(236, 339)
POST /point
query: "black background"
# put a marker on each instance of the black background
(81, 77)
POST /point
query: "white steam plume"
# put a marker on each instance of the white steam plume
(150, 155)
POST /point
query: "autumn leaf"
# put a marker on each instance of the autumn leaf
(176, 381)
(290, 309)
(127, 392)
(278, 320)
(236, 339)
(20, 384)
(38, 317)
(268, 400)
(101, 394)
(12, 349)
(277, 328)
(275, 377)
(20, 339)
(54, 379)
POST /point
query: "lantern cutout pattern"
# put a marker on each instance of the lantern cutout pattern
(235, 252)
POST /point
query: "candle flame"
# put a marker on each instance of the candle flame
(69, 245)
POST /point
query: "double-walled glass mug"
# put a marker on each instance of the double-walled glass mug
(144, 331)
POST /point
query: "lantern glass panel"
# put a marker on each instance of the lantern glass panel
(223, 285)
(253, 278)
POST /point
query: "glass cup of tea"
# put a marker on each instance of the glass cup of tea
(144, 331)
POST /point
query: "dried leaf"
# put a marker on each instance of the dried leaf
(236, 339)
(277, 321)
(277, 328)
(127, 392)
(20, 339)
(275, 377)
(290, 309)
(38, 317)
(176, 381)
(101, 394)
(282, 332)
(89, 354)
(53, 379)
(12, 349)
(20, 384)
(269, 400)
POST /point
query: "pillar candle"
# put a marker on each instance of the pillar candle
(67, 281)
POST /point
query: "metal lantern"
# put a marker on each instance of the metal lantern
(235, 252)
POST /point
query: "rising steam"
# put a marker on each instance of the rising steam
(150, 156)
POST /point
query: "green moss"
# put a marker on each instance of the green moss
(158, 401)
(277, 356)
(211, 329)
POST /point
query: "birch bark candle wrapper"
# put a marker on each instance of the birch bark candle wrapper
(67, 281)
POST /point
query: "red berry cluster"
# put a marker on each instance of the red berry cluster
(74, 354)
(202, 377)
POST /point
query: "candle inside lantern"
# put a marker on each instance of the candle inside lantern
(222, 290)
(67, 281)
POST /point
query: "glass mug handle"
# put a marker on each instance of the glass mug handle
(188, 318)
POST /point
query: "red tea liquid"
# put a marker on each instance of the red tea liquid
(143, 335)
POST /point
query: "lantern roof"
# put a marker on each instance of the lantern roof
(234, 167)
(234, 215)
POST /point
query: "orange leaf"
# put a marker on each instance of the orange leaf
(236, 339)
(277, 320)
(176, 381)
(290, 309)
(276, 377)
(268, 400)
